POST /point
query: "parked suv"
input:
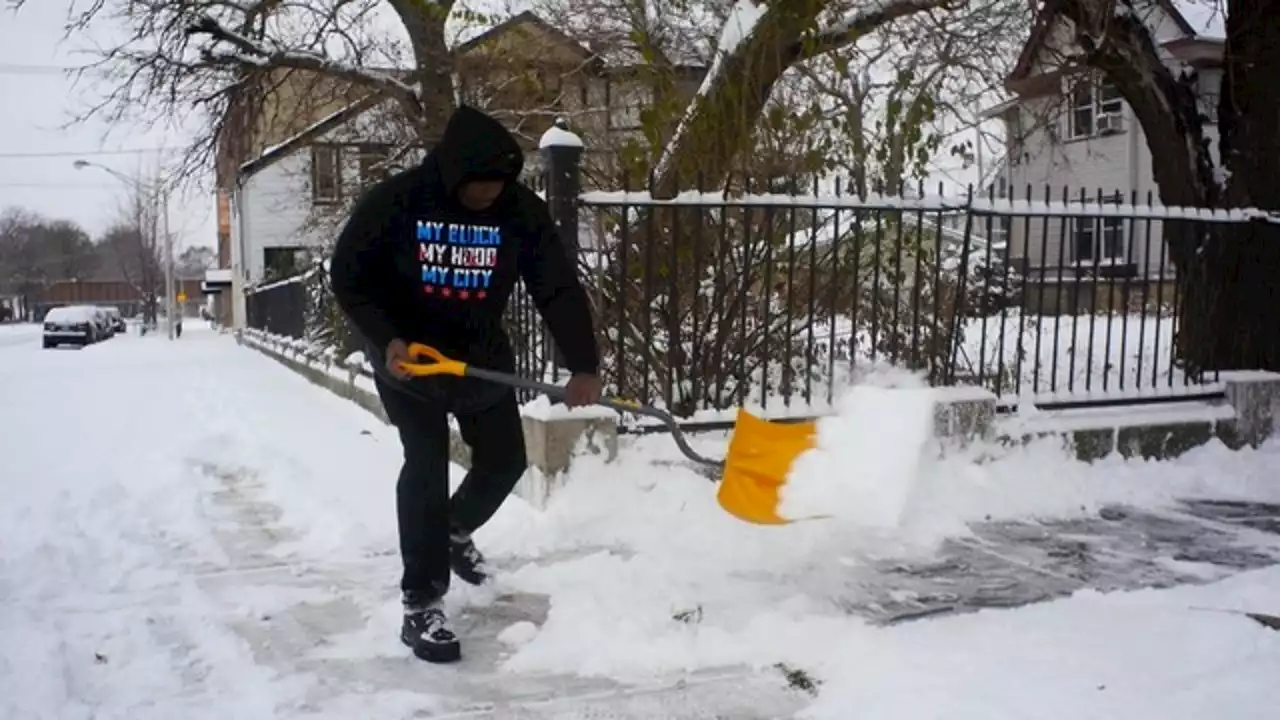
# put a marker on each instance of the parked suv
(103, 323)
(73, 325)
(115, 318)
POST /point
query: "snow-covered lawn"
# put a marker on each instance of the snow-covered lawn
(19, 334)
(1079, 355)
(189, 530)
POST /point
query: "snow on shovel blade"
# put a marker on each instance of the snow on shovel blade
(760, 456)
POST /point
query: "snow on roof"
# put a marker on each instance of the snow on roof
(69, 313)
(218, 275)
(1207, 18)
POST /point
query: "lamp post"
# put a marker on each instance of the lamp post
(163, 191)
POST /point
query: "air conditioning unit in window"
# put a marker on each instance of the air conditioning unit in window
(1110, 123)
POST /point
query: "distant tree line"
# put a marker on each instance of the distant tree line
(37, 251)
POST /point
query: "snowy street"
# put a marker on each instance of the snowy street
(190, 530)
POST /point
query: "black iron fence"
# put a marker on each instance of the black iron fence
(779, 297)
(279, 307)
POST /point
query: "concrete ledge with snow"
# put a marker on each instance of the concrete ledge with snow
(1244, 415)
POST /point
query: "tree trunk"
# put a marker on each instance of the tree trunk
(424, 22)
(1231, 318)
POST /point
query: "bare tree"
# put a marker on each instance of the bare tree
(135, 243)
(36, 251)
(713, 301)
(193, 261)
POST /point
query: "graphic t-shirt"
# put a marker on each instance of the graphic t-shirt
(458, 260)
(413, 264)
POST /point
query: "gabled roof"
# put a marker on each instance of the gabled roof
(309, 134)
(528, 17)
(1048, 17)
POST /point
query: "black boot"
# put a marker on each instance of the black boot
(466, 560)
(426, 631)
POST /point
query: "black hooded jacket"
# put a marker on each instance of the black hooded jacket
(412, 263)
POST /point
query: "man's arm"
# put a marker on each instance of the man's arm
(552, 281)
(359, 267)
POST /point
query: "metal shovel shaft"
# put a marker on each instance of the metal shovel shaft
(558, 391)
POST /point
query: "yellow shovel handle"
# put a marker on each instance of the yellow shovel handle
(439, 363)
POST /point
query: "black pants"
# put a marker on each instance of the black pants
(426, 513)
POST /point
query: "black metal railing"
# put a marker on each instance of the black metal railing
(780, 298)
(280, 307)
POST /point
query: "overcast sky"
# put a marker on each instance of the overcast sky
(36, 156)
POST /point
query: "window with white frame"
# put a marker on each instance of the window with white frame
(326, 174)
(1098, 239)
(1089, 100)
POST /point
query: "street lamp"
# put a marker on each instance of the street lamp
(139, 187)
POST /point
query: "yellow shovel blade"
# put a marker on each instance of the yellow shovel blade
(760, 456)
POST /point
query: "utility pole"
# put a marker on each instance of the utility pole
(163, 190)
(168, 262)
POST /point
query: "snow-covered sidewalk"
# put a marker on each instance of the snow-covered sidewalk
(191, 530)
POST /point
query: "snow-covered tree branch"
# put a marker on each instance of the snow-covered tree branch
(757, 46)
(245, 53)
(190, 61)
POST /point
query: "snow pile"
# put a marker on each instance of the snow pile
(1146, 654)
(868, 456)
(229, 552)
(639, 552)
(541, 408)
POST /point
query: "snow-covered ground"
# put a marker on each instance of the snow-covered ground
(191, 530)
(19, 334)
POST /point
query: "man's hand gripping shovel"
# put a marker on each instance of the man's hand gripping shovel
(751, 475)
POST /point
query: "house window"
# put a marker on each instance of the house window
(373, 167)
(282, 262)
(1099, 239)
(326, 174)
(1089, 100)
(628, 115)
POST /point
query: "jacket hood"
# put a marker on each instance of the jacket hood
(475, 146)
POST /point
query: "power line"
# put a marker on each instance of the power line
(12, 69)
(54, 186)
(81, 153)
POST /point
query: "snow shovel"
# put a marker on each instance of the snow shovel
(751, 475)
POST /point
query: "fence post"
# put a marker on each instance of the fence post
(561, 152)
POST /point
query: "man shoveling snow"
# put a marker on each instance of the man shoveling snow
(430, 256)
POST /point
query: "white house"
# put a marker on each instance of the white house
(1068, 129)
(286, 202)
